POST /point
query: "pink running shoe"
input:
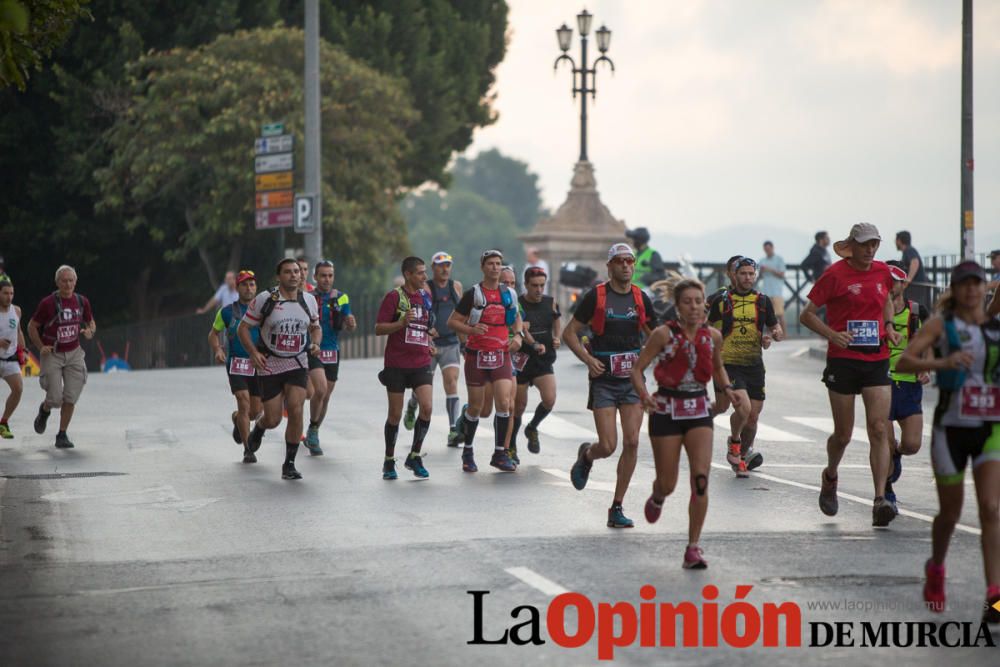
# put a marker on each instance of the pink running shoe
(694, 558)
(934, 586)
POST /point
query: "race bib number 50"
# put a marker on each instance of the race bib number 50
(621, 364)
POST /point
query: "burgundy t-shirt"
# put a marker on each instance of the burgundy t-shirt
(64, 333)
(410, 346)
(855, 302)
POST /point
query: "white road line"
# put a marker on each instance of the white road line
(536, 581)
(802, 351)
(825, 424)
(817, 466)
(558, 427)
(847, 496)
(765, 433)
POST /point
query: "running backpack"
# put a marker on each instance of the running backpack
(682, 355)
(268, 307)
(337, 301)
(600, 310)
(58, 304)
(404, 305)
(726, 311)
(507, 298)
(951, 379)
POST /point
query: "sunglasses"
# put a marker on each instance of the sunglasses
(492, 253)
(624, 260)
(442, 259)
(744, 261)
(324, 262)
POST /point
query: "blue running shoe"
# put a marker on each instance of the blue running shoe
(580, 472)
(415, 463)
(312, 441)
(502, 462)
(389, 469)
(468, 460)
(617, 518)
(897, 467)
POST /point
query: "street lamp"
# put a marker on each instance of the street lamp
(564, 35)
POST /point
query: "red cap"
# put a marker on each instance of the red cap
(245, 275)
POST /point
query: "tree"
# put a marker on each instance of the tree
(182, 152)
(30, 30)
(502, 180)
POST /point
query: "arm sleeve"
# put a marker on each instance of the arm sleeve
(585, 311)
(387, 310)
(464, 306)
(219, 324)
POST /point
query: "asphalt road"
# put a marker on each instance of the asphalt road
(151, 544)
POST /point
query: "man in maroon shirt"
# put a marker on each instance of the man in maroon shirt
(405, 317)
(55, 330)
(856, 292)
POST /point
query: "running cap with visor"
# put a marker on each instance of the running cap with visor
(620, 250)
(441, 257)
(965, 270)
(897, 272)
(488, 254)
(863, 232)
(245, 275)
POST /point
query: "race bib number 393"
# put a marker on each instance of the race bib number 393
(981, 403)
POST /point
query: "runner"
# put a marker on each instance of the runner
(907, 388)
(688, 354)
(748, 324)
(966, 343)
(405, 317)
(55, 331)
(856, 291)
(487, 314)
(289, 332)
(618, 313)
(11, 353)
(243, 380)
(334, 316)
(445, 294)
(534, 365)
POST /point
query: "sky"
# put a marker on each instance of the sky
(727, 121)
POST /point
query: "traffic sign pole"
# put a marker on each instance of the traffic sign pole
(314, 239)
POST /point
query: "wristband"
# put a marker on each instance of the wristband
(729, 386)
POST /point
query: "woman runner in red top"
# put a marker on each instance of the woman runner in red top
(688, 354)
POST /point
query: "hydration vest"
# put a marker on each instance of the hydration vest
(337, 301)
(676, 358)
(507, 298)
(600, 310)
(950, 380)
(726, 311)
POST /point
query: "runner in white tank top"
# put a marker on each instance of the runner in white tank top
(11, 353)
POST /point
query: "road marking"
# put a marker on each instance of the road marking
(817, 466)
(802, 351)
(825, 424)
(558, 427)
(591, 484)
(536, 581)
(847, 496)
(764, 432)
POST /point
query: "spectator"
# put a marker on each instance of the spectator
(648, 263)
(772, 281)
(914, 267)
(818, 259)
(994, 262)
(225, 295)
(535, 260)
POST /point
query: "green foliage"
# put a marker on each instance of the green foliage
(30, 30)
(502, 180)
(185, 145)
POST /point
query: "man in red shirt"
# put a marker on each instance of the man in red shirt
(485, 314)
(856, 292)
(55, 331)
(405, 317)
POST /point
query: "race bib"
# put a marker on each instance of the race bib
(328, 356)
(519, 360)
(415, 336)
(67, 333)
(682, 408)
(621, 364)
(488, 360)
(980, 403)
(289, 343)
(240, 366)
(864, 332)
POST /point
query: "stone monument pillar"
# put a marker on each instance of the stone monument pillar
(581, 231)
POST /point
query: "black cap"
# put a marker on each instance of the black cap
(993, 254)
(965, 270)
(639, 235)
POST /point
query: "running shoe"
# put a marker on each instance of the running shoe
(248, 456)
(890, 497)
(468, 461)
(63, 442)
(41, 419)
(733, 453)
(531, 433)
(410, 418)
(454, 437)
(828, 503)
(501, 461)
(694, 559)
(741, 470)
(389, 469)
(288, 471)
(512, 453)
(991, 612)
(254, 439)
(236, 431)
(617, 518)
(5, 432)
(415, 462)
(580, 472)
(312, 441)
(897, 467)
(882, 512)
(753, 458)
(457, 435)
(653, 509)
(934, 586)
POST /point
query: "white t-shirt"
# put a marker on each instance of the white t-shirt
(9, 325)
(285, 332)
(226, 296)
